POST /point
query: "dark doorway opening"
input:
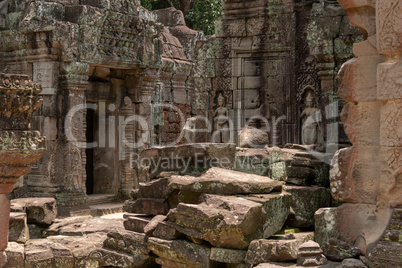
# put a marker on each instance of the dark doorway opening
(89, 151)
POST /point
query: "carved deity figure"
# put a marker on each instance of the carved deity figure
(311, 121)
(221, 119)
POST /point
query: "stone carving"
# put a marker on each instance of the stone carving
(311, 120)
(222, 134)
(18, 100)
(389, 26)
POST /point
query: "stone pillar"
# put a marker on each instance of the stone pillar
(19, 146)
(367, 176)
(71, 199)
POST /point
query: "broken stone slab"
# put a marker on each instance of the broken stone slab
(80, 247)
(226, 182)
(224, 221)
(18, 228)
(151, 226)
(135, 223)
(224, 255)
(310, 254)
(278, 248)
(79, 226)
(180, 252)
(305, 201)
(147, 206)
(275, 210)
(44, 253)
(41, 211)
(123, 249)
(15, 255)
(165, 230)
(188, 158)
(155, 189)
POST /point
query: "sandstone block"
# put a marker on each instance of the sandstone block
(150, 227)
(167, 231)
(41, 211)
(226, 182)
(338, 250)
(135, 223)
(15, 255)
(352, 263)
(18, 229)
(225, 255)
(147, 206)
(305, 201)
(279, 248)
(224, 221)
(179, 252)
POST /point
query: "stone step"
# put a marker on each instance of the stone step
(106, 209)
(97, 199)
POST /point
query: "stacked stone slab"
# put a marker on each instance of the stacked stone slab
(367, 175)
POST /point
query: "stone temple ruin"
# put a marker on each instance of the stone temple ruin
(274, 142)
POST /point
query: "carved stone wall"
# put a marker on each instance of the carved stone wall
(369, 172)
(110, 55)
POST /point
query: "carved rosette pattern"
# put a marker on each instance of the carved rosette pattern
(389, 26)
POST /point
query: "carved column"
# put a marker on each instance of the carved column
(19, 146)
(71, 144)
(368, 175)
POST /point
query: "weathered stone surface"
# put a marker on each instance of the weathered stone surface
(305, 201)
(18, 229)
(43, 253)
(352, 263)
(225, 255)
(252, 138)
(338, 250)
(157, 189)
(310, 254)
(135, 223)
(150, 227)
(226, 182)
(280, 248)
(180, 252)
(275, 210)
(191, 158)
(165, 230)
(15, 255)
(123, 249)
(368, 220)
(42, 211)
(388, 250)
(224, 221)
(3, 258)
(79, 226)
(147, 206)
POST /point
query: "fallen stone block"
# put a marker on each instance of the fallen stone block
(18, 228)
(165, 230)
(275, 210)
(15, 255)
(41, 211)
(250, 137)
(123, 249)
(225, 182)
(224, 221)
(305, 201)
(279, 248)
(135, 223)
(151, 226)
(180, 252)
(310, 254)
(156, 189)
(224, 255)
(147, 206)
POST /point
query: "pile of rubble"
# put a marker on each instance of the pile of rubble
(237, 217)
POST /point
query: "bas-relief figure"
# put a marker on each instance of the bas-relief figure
(311, 121)
(221, 119)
